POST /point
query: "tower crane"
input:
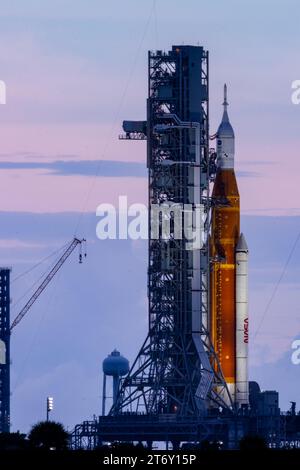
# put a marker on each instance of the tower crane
(70, 248)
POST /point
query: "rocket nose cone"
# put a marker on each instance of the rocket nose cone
(225, 128)
(242, 244)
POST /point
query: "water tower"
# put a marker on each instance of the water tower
(116, 366)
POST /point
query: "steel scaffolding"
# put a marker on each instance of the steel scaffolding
(176, 371)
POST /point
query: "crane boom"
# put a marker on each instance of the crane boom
(71, 247)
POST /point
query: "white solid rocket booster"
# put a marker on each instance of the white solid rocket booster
(242, 325)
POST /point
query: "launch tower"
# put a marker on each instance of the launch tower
(176, 370)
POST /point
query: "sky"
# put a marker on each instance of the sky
(74, 70)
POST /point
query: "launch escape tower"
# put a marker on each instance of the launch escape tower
(4, 349)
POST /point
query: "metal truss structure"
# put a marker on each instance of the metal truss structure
(147, 428)
(176, 371)
(85, 436)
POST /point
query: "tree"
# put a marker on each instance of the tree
(48, 435)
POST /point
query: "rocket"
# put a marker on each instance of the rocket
(229, 271)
